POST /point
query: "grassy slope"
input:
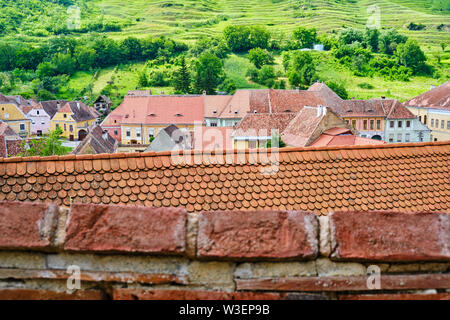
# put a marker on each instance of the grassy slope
(188, 19)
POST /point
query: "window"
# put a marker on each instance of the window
(57, 125)
(435, 139)
(37, 112)
(128, 133)
(400, 124)
(138, 132)
(7, 115)
(420, 118)
(425, 119)
(399, 137)
(347, 121)
(151, 132)
(354, 124)
(65, 128)
(116, 132)
(448, 125)
(71, 128)
(365, 125)
(32, 122)
(42, 121)
(22, 127)
(252, 144)
(372, 124)
(442, 124)
(391, 124)
(408, 124)
(65, 115)
(213, 124)
(407, 137)
(391, 137)
(378, 124)
(432, 122)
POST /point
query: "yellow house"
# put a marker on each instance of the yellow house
(433, 109)
(143, 133)
(74, 119)
(11, 114)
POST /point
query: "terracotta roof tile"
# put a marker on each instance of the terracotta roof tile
(317, 179)
(438, 98)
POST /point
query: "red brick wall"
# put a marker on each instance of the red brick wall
(160, 253)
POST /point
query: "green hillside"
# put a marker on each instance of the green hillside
(34, 21)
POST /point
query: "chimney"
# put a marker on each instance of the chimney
(149, 92)
(204, 92)
(324, 109)
(297, 89)
(432, 87)
(78, 105)
(105, 135)
(58, 105)
(162, 93)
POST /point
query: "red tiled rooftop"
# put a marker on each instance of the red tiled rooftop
(397, 177)
(438, 98)
(252, 124)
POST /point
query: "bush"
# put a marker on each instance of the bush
(260, 57)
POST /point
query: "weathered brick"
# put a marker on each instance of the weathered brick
(126, 229)
(257, 235)
(14, 259)
(275, 269)
(27, 225)
(390, 236)
(402, 296)
(351, 283)
(140, 294)
(211, 275)
(328, 268)
(40, 294)
(93, 276)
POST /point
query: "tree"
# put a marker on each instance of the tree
(208, 73)
(260, 57)
(443, 46)
(85, 57)
(228, 86)
(410, 55)
(267, 76)
(372, 39)
(243, 38)
(305, 37)
(338, 88)
(302, 69)
(389, 40)
(51, 145)
(131, 49)
(182, 78)
(64, 63)
(350, 35)
(143, 79)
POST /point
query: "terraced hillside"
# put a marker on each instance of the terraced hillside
(188, 19)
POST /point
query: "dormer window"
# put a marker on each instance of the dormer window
(370, 110)
(178, 115)
(215, 111)
(235, 112)
(65, 115)
(288, 111)
(349, 111)
(152, 115)
(255, 112)
(127, 116)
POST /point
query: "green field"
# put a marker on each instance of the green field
(187, 20)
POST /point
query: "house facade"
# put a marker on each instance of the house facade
(433, 110)
(75, 120)
(12, 114)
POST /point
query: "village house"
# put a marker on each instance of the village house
(433, 110)
(299, 129)
(140, 118)
(170, 139)
(41, 114)
(103, 105)
(75, 119)
(10, 141)
(98, 141)
(12, 114)
(379, 119)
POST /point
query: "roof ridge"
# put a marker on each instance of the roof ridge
(221, 152)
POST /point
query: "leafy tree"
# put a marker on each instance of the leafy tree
(85, 57)
(389, 40)
(260, 57)
(350, 35)
(410, 55)
(267, 76)
(372, 39)
(259, 37)
(305, 37)
(143, 79)
(49, 146)
(63, 63)
(131, 49)
(243, 38)
(338, 88)
(158, 78)
(208, 73)
(302, 70)
(7, 57)
(443, 46)
(182, 78)
(45, 69)
(228, 86)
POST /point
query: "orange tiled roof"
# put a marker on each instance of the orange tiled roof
(399, 177)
